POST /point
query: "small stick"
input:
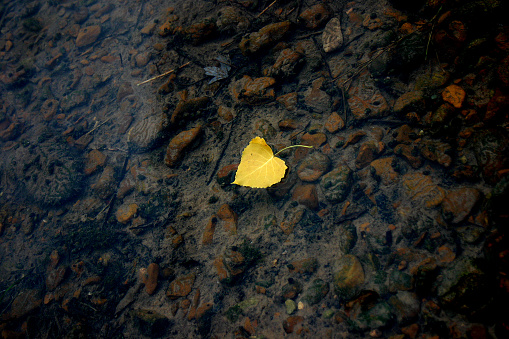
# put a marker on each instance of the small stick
(284, 149)
(265, 10)
(162, 75)
(97, 126)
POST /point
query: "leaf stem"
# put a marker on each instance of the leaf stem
(284, 149)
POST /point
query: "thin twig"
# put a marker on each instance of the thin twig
(164, 74)
(96, 127)
(269, 6)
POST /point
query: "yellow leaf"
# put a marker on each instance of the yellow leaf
(258, 167)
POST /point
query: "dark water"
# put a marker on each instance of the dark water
(122, 124)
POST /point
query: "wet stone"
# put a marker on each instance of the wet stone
(231, 19)
(126, 212)
(407, 306)
(316, 98)
(150, 323)
(316, 292)
(188, 109)
(94, 160)
(441, 116)
(229, 266)
(54, 277)
(368, 312)
(264, 127)
(293, 324)
(304, 266)
(334, 123)
(88, 35)
(291, 217)
(292, 289)
(458, 203)
(336, 184)
(436, 151)
(106, 184)
(229, 217)
(178, 144)
(208, 233)
(199, 32)
(265, 38)
(316, 16)
(253, 91)
(383, 169)
(25, 302)
(151, 279)
(491, 147)
(410, 101)
(420, 187)
(289, 100)
(226, 175)
(290, 306)
(306, 195)
(313, 167)
(348, 277)
(147, 133)
(410, 153)
(368, 152)
(454, 95)
(286, 64)
(181, 286)
(332, 37)
(365, 100)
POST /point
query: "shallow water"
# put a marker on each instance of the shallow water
(122, 124)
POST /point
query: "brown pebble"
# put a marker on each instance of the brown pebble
(151, 280)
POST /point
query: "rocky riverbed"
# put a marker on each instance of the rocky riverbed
(122, 124)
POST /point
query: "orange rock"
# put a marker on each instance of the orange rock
(409, 153)
(264, 38)
(316, 16)
(446, 254)
(313, 167)
(458, 203)
(94, 160)
(200, 31)
(291, 220)
(54, 259)
(253, 91)
(151, 280)
(288, 100)
(368, 152)
(315, 140)
(225, 112)
(208, 233)
(87, 35)
(285, 65)
(420, 187)
(454, 95)
(383, 170)
(306, 195)
(226, 175)
(334, 123)
(293, 323)
(308, 266)
(178, 144)
(181, 286)
(226, 214)
(188, 107)
(203, 309)
(126, 212)
(354, 138)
